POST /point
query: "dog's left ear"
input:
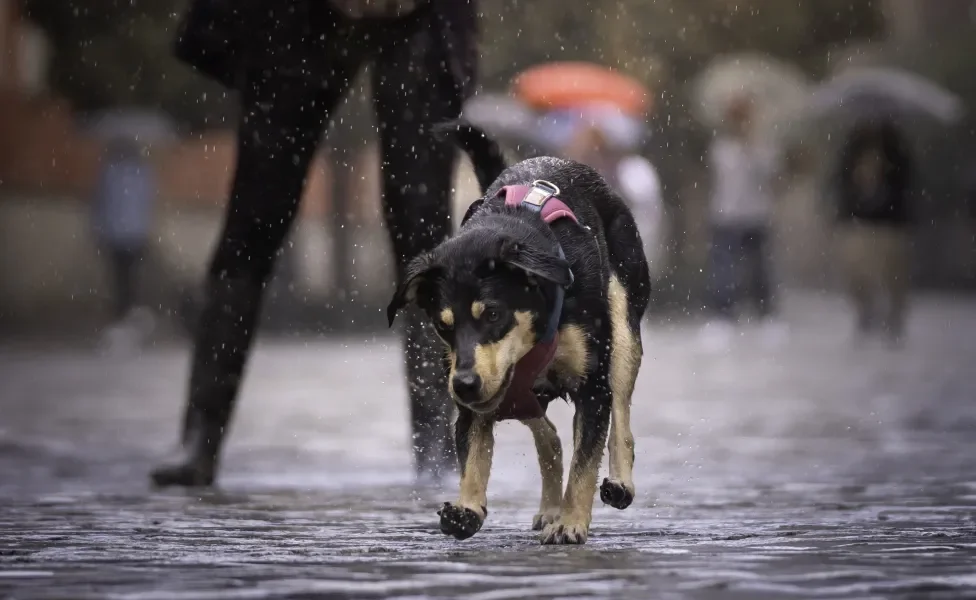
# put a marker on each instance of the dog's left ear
(545, 265)
(421, 271)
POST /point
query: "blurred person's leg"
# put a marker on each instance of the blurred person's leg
(129, 325)
(857, 263)
(281, 124)
(413, 91)
(724, 253)
(757, 286)
(896, 281)
(124, 261)
(758, 246)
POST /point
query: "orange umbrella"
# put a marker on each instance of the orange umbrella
(568, 84)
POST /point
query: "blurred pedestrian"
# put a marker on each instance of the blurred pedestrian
(122, 214)
(744, 170)
(608, 140)
(292, 64)
(874, 176)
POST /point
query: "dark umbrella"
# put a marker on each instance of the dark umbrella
(868, 92)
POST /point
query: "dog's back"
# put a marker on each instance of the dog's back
(626, 252)
(624, 248)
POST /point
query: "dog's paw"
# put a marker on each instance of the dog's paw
(459, 521)
(616, 493)
(564, 533)
(542, 519)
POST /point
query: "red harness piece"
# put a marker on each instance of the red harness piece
(520, 401)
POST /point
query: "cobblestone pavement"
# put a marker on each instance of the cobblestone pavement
(818, 469)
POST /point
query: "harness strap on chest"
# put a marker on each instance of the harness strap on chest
(520, 401)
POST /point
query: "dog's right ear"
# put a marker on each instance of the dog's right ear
(546, 265)
(421, 271)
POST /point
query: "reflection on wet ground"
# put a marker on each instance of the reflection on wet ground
(816, 470)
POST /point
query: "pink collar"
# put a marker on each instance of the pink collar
(520, 401)
(541, 197)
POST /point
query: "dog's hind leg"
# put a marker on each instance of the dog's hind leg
(625, 360)
(475, 446)
(550, 452)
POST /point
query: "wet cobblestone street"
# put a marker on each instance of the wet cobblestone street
(819, 470)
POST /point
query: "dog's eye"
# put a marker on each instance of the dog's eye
(492, 315)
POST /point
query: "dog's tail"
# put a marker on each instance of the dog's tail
(486, 155)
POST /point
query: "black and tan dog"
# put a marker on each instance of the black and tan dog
(538, 296)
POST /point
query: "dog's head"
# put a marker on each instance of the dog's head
(486, 295)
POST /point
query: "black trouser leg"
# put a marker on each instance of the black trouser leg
(412, 91)
(281, 125)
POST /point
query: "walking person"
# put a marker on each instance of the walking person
(122, 213)
(292, 63)
(873, 181)
(744, 171)
(606, 139)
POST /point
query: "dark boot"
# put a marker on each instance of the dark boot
(194, 464)
(431, 407)
(223, 342)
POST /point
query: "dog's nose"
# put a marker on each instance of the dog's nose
(466, 384)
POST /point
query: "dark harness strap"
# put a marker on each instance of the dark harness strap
(520, 401)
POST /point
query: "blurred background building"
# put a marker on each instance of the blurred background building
(64, 63)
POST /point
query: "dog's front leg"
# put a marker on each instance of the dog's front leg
(475, 439)
(550, 451)
(590, 426)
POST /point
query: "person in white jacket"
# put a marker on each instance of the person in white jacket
(606, 139)
(640, 187)
(744, 171)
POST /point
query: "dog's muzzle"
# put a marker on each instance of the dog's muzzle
(467, 388)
